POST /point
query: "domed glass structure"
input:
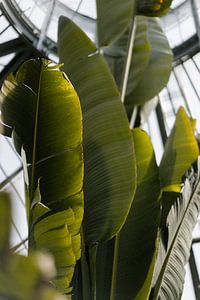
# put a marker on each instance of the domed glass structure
(28, 29)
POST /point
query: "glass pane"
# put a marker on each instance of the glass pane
(188, 291)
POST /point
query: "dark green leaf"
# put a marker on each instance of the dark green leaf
(111, 25)
(104, 269)
(108, 145)
(140, 56)
(156, 73)
(137, 245)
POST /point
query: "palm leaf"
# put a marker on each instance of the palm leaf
(43, 111)
(108, 146)
(137, 244)
(181, 219)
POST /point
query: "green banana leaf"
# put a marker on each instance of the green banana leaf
(43, 111)
(104, 269)
(153, 8)
(156, 73)
(140, 55)
(137, 241)
(23, 278)
(109, 180)
(181, 219)
(113, 19)
(181, 150)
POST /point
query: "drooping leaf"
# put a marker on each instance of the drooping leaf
(137, 245)
(111, 25)
(181, 219)
(181, 150)
(108, 145)
(43, 109)
(153, 8)
(156, 74)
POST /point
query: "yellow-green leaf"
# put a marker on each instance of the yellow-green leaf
(181, 150)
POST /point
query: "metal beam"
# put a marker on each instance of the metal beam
(11, 46)
(161, 122)
(196, 17)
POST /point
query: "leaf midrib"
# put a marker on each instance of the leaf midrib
(35, 136)
(174, 240)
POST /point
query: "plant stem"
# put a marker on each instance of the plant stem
(114, 272)
(93, 258)
(128, 58)
(84, 270)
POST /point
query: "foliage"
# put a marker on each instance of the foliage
(151, 61)
(105, 136)
(42, 109)
(119, 248)
(181, 221)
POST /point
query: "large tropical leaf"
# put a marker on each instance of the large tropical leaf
(43, 111)
(109, 181)
(137, 241)
(181, 219)
(111, 25)
(140, 55)
(181, 150)
(156, 74)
